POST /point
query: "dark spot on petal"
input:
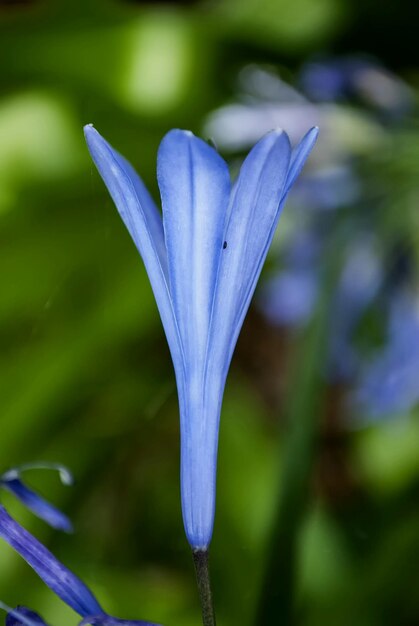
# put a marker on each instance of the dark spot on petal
(224, 245)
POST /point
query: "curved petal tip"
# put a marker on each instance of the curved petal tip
(314, 132)
(91, 134)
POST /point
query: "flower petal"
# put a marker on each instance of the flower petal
(22, 616)
(38, 505)
(299, 157)
(194, 183)
(142, 220)
(254, 213)
(255, 206)
(54, 574)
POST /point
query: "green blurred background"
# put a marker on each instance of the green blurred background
(318, 505)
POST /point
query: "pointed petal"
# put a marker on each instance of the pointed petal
(143, 222)
(22, 616)
(299, 157)
(107, 620)
(61, 580)
(37, 504)
(255, 206)
(254, 215)
(194, 183)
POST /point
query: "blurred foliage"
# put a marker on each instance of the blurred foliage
(85, 372)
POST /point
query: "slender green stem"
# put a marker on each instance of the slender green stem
(201, 562)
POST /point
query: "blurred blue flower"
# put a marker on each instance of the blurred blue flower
(326, 81)
(357, 102)
(289, 298)
(61, 580)
(265, 101)
(203, 260)
(328, 188)
(12, 482)
(351, 77)
(389, 382)
(361, 278)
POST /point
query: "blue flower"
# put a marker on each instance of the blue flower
(388, 384)
(203, 260)
(328, 189)
(61, 580)
(289, 297)
(339, 79)
(358, 285)
(11, 481)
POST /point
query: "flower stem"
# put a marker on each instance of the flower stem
(201, 562)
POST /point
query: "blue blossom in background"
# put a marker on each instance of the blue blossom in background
(265, 100)
(351, 77)
(360, 279)
(288, 296)
(11, 481)
(61, 580)
(351, 98)
(389, 382)
(203, 260)
(328, 188)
